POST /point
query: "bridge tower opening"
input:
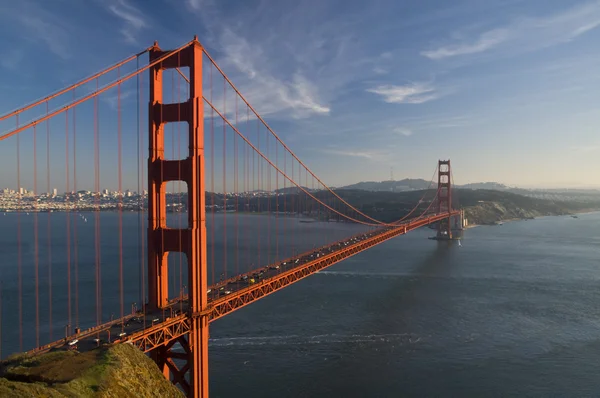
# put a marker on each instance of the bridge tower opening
(191, 240)
(444, 199)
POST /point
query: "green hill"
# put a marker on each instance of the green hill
(112, 371)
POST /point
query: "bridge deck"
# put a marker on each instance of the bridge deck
(155, 328)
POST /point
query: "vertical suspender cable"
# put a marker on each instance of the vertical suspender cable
(285, 220)
(247, 184)
(258, 170)
(120, 182)
(235, 191)
(174, 278)
(277, 203)
(224, 183)
(268, 202)
(35, 242)
(180, 221)
(48, 226)
(68, 216)
(212, 182)
(97, 211)
(19, 259)
(140, 188)
(75, 236)
(293, 193)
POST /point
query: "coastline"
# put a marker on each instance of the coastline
(587, 211)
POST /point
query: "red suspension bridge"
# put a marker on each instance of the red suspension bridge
(258, 219)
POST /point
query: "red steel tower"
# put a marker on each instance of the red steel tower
(191, 240)
(444, 199)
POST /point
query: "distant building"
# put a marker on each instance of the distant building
(55, 192)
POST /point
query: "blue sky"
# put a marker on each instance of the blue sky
(509, 90)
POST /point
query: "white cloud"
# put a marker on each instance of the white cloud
(402, 131)
(266, 92)
(486, 41)
(200, 5)
(297, 75)
(47, 31)
(525, 33)
(379, 70)
(195, 4)
(351, 153)
(415, 93)
(133, 18)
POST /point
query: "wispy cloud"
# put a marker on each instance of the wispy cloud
(12, 58)
(402, 131)
(440, 121)
(269, 93)
(113, 100)
(298, 75)
(415, 93)
(198, 4)
(586, 148)
(43, 27)
(525, 33)
(133, 18)
(486, 41)
(351, 153)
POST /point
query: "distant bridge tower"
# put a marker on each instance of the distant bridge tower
(190, 240)
(444, 199)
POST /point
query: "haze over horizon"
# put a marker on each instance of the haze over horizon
(555, 186)
(508, 90)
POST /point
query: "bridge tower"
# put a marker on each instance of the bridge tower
(444, 199)
(191, 240)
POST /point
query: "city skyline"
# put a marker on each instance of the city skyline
(506, 90)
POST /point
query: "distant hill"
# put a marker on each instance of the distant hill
(412, 184)
(289, 190)
(416, 184)
(485, 185)
(481, 206)
(408, 184)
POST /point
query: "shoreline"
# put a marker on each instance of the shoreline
(587, 211)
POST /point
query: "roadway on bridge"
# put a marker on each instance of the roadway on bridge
(120, 329)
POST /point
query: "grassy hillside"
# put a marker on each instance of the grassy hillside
(487, 206)
(116, 371)
(481, 206)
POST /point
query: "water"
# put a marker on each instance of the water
(235, 245)
(514, 311)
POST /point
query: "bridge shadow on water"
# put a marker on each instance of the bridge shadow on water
(397, 311)
(406, 293)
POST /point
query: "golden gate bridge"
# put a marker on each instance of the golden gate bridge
(221, 160)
